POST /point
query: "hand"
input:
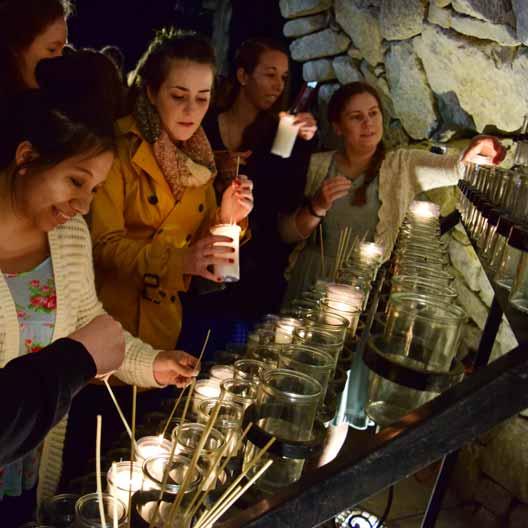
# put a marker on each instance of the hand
(237, 201)
(308, 125)
(104, 339)
(175, 367)
(226, 164)
(487, 146)
(331, 190)
(203, 254)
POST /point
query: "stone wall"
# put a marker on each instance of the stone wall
(445, 69)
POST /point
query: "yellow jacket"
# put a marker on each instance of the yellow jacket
(140, 236)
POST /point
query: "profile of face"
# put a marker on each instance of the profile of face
(266, 83)
(50, 197)
(183, 98)
(361, 123)
(47, 44)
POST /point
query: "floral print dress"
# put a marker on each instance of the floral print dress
(36, 302)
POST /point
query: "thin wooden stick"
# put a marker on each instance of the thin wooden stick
(222, 468)
(99, 483)
(338, 254)
(132, 452)
(352, 248)
(237, 167)
(194, 460)
(173, 448)
(115, 520)
(239, 493)
(204, 346)
(321, 245)
(237, 481)
(119, 411)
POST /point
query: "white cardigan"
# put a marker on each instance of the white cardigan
(403, 174)
(77, 305)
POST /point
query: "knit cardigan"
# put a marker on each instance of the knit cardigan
(77, 305)
(403, 174)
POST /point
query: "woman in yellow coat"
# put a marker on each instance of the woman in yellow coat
(151, 220)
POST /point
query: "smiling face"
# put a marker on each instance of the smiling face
(266, 83)
(183, 98)
(50, 197)
(45, 45)
(361, 123)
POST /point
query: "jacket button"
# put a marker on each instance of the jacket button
(153, 199)
(173, 298)
(201, 208)
(162, 294)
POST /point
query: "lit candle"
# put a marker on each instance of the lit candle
(151, 446)
(284, 330)
(222, 372)
(346, 296)
(424, 210)
(205, 390)
(371, 252)
(119, 480)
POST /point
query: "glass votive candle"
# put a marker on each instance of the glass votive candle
(188, 440)
(422, 210)
(429, 286)
(345, 293)
(228, 271)
(314, 337)
(371, 253)
(346, 310)
(59, 511)
(511, 256)
(123, 477)
(229, 421)
(262, 336)
(87, 513)
(424, 271)
(268, 354)
(205, 390)
(150, 446)
(243, 392)
(284, 330)
(249, 369)
(220, 373)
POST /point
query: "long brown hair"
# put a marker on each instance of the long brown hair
(336, 107)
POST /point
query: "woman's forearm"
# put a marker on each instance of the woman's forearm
(299, 225)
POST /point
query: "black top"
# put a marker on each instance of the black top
(279, 185)
(36, 391)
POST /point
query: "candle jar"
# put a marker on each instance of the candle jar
(123, 477)
(318, 364)
(87, 511)
(345, 293)
(150, 446)
(503, 233)
(249, 369)
(229, 421)
(267, 354)
(243, 392)
(425, 272)
(327, 322)
(228, 271)
(349, 312)
(262, 336)
(187, 442)
(204, 390)
(220, 373)
(428, 330)
(416, 284)
(491, 235)
(59, 511)
(510, 259)
(285, 137)
(519, 290)
(284, 330)
(314, 337)
(287, 404)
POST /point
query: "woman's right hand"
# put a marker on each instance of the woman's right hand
(203, 254)
(331, 190)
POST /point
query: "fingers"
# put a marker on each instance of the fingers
(211, 240)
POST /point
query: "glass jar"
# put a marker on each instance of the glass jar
(510, 259)
(416, 284)
(318, 364)
(425, 272)
(150, 446)
(345, 293)
(491, 235)
(204, 390)
(59, 511)
(287, 404)
(501, 237)
(243, 392)
(87, 511)
(249, 369)
(221, 372)
(229, 421)
(327, 322)
(267, 354)
(345, 310)
(519, 290)
(123, 477)
(429, 330)
(284, 330)
(314, 337)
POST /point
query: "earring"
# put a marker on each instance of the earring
(147, 117)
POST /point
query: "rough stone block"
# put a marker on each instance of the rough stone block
(520, 8)
(382, 86)
(361, 23)
(480, 75)
(354, 53)
(298, 8)
(518, 517)
(305, 25)
(412, 97)
(494, 11)
(329, 138)
(495, 498)
(401, 20)
(321, 44)
(485, 519)
(345, 71)
(471, 303)
(318, 70)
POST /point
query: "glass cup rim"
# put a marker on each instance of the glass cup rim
(223, 422)
(452, 311)
(329, 360)
(289, 396)
(174, 487)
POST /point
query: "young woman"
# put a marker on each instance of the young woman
(243, 126)
(30, 30)
(151, 220)
(51, 164)
(369, 190)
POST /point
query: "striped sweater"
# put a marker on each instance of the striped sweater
(77, 305)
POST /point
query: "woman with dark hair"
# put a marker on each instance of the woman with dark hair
(151, 221)
(241, 129)
(30, 30)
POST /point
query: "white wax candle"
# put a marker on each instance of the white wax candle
(371, 251)
(222, 372)
(150, 446)
(204, 390)
(230, 271)
(285, 137)
(424, 210)
(346, 296)
(119, 481)
(284, 330)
